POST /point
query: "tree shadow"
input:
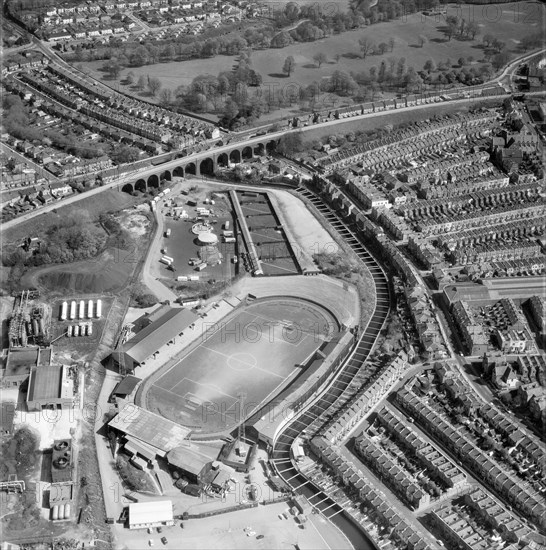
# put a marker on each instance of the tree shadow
(278, 75)
(438, 40)
(310, 66)
(414, 45)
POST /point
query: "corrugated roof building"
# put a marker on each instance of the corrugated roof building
(156, 513)
(150, 428)
(190, 462)
(153, 337)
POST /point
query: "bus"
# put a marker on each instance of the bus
(297, 450)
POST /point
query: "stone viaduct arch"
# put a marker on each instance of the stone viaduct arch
(206, 165)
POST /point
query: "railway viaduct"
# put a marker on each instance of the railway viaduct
(206, 162)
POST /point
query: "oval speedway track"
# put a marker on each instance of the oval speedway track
(339, 391)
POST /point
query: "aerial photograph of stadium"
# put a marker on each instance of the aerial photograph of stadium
(273, 275)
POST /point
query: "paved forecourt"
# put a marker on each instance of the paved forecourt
(256, 351)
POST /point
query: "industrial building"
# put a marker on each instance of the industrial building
(157, 513)
(7, 415)
(18, 363)
(50, 387)
(167, 324)
(190, 463)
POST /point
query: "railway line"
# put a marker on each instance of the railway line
(310, 420)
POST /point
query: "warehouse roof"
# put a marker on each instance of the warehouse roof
(160, 433)
(45, 383)
(188, 459)
(158, 333)
(156, 511)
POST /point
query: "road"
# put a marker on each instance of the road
(159, 289)
(509, 70)
(131, 178)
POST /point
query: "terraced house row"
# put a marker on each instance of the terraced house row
(490, 179)
(158, 130)
(61, 112)
(141, 111)
(376, 504)
(434, 461)
(526, 500)
(443, 169)
(503, 268)
(501, 214)
(134, 107)
(401, 482)
(534, 449)
(518, 229)
(447, 206)
(344, 421)
(458, 531)
(495, 514)
(496, 252)
(428, 135)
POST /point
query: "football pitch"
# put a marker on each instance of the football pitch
(252, 355)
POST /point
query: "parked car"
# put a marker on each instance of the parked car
(164, 540)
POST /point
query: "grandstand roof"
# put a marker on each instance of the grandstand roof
(158, 333)
(150, 428)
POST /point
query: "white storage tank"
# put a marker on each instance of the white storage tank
(61, 511)
(99, 309)
(82, 309)
(72, 309)
(90, 309)
(64, 311)
(55, 513)
(89, 329)
(81, 329)
(67, 511)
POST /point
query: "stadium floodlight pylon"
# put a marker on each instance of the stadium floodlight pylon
(241, 444)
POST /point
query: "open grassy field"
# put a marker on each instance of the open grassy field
(507, 22)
